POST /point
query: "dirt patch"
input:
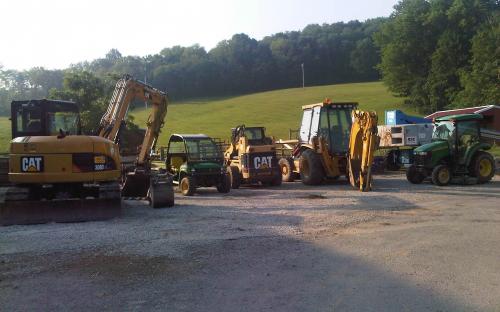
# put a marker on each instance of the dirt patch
(99, 264)
(312, 196)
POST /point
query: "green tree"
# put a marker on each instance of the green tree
(482, 79)
(90, 92)
(426, 49)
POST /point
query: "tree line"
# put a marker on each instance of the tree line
(435, 54)
(331, 53)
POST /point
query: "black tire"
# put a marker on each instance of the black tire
(441, 175)
(225, 185)
(187, 186)
(311, 168)
(414, 176)
(391, 161)
(286, 168)
(482, 167)
(234, 176)
(277, 179)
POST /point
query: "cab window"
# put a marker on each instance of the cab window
(28, 119)
(467, 133)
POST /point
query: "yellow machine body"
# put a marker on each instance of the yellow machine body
(251, 157)
(68, 159)
(335, 139)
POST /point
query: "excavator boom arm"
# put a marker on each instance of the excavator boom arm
(128, 89)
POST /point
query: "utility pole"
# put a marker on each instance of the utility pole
(303, 81)
(145, 80)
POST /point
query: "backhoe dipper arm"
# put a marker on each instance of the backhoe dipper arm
(362, 145)
(126, 90)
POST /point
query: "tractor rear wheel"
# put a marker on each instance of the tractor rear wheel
(414, 176)
(441, 175)
(187, 186)
(286, 166)
(482, 167)
(311, 168)
(234, 176)
(225, 185)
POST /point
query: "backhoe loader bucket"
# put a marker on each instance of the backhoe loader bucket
(17, 206)
(362, 145)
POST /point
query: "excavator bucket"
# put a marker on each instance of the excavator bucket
(18, 207)
(362, 145)
(156, 187)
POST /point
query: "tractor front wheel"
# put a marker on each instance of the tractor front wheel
(441, 175)
(311, 168)
(414, 176)
(482, 167)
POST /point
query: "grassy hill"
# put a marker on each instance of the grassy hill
(277, 110)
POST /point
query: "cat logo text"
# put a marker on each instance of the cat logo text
(32, 164)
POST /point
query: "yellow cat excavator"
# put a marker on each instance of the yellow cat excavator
(138, 178)
(56, 174)
(335, 139)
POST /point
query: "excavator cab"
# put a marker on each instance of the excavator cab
(44, 118)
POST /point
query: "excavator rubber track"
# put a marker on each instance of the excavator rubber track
(16, 207)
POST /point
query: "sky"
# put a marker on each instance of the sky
(57, 33)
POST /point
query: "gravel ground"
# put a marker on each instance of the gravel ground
(290, 248)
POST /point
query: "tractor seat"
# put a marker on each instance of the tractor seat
(176, 162)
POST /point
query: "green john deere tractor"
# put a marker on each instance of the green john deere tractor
(456, 152)
(195, 160)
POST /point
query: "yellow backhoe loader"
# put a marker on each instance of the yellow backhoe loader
(56, 174)
(335, 139)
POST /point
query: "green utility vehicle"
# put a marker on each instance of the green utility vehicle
(456, 151)
(195, 160)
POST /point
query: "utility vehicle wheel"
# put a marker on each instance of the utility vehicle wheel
(414, 176)
(311, 168)
(482, 167)
(234, 176)
(286, 166)
(441, 175)
(161, 195)
(187, 186)
(225, 185)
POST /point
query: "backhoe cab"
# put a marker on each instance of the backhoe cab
(195, 160)
(335, 139)
(456, 151)
(251, 157)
